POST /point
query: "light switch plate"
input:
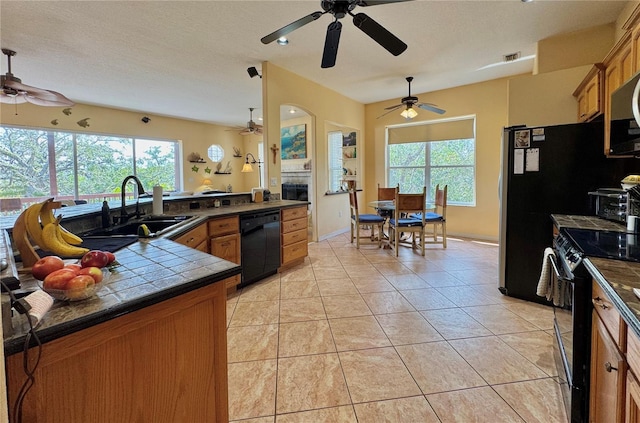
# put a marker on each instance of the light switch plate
(273, 182)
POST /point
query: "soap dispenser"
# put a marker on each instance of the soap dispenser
(106, 222)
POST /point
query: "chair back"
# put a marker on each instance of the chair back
(407, 204)
(386, 194)
(441, 201)
(353, 202)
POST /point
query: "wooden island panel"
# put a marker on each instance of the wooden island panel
(164, 363)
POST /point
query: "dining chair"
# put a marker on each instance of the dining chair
(406, 205)
(438, 218)
(363, 221)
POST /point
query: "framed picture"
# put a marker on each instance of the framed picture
(293, 142)
(522, 139)
(349, 140)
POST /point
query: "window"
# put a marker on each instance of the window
(335, 161)
(81, 166)
(422, 155)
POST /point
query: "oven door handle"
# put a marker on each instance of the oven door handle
(559, 275)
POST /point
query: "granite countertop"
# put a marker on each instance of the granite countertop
(586, 222)
(149, 271)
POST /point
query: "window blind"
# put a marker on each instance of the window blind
(460, 129)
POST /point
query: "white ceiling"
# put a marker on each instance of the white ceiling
(188, 59)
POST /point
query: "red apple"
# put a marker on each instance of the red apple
(111, 256)
(73, 266)
(58, 279)
(46, 265)
(94, 258)
(94, 272)
(76, 287)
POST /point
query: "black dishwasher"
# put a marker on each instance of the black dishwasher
(260, 245)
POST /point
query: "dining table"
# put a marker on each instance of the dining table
(386, 209)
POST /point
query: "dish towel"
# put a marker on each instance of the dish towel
(548, 286)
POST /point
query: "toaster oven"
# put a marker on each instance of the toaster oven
(615, 204)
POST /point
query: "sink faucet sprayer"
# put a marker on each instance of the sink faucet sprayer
(124, 216)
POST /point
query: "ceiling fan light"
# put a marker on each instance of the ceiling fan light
(409, 113)
(282, 41)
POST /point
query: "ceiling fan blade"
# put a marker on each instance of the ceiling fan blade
(291, 27)
(379, 34)
(394, 107)
(431, 108)
(39, 96)
(331, 44)
(377, 2)
(391, 110)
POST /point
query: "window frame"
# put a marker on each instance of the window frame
(334, 169)
(428, 167)
(177, 160)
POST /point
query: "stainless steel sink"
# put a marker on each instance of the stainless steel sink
(157, 225)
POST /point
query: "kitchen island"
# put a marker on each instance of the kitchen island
(150, 346)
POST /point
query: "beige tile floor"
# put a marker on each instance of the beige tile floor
(362, 336)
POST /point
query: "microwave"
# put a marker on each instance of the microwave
(624, 129)
(615, 204)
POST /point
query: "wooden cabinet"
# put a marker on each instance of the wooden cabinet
(293, 238)
(608, 376)
(632, 403)
(164, 363)
(225, 243)
(618, 68)
(196, 238)
(589, 94)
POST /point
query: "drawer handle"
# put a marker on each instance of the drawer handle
(225, 244)
(608, 367)
(598, 301)
(190, 240)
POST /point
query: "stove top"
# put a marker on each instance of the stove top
(606, 244)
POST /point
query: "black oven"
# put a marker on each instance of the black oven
(571, 326)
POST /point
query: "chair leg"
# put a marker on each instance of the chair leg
(423, 241)
(351, 230)
(379, 235)
(444, 235)
(358, 236)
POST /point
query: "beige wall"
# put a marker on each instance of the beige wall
(568, 50)
(488, 102)
(545, 99)
(194, 136)
(330, 212)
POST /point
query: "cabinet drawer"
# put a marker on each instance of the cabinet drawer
(294, 251)
(293, 237)
(294, 213)
(194, 237)
(610, 316)
(294, 225)
(224, 226)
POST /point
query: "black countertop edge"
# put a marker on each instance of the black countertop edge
(16, 345)
(622, 307)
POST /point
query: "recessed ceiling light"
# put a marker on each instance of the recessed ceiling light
(283, 41)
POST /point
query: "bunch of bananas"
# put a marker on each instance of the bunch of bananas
(45, 230)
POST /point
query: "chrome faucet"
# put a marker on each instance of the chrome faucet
(124, 216)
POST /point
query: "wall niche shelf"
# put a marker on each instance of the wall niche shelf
(197, 161)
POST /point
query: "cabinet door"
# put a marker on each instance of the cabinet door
(632, 409)
(608, 370)
(226, 247)
(194, 237)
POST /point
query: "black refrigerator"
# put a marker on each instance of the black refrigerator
(547, 170)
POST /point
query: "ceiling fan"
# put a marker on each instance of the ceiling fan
(252, 128)
(408, 102)
(339, 9)
(15, 92)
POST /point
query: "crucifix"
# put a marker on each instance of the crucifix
(274, 150)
